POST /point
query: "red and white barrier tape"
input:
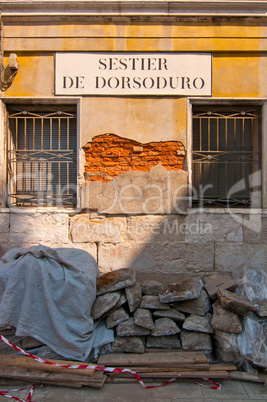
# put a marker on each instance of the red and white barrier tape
(86, 366)
(29, 397)
(90, 367)
(215, 386)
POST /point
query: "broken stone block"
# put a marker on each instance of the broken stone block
(195, 340)
(151, 288)
(236, 303)
(104, 303)
(119, 303)
(200, 306)
(226, 346)
(134, 296)
(153, 303)
(143, 318)
(129, 328)
(215, 281)
(172, 313)
(262, 309)
(116, 317)
(128, 344)
(163, 342)
(225, 320)
(198, 323)
(115, 280)
(189, 288)
(121, 300)
(165, 326)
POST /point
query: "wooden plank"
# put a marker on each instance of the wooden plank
(192, 367)
(242, 376)
(41, 376)
(168, 359)
(176, 374)
(28, 362)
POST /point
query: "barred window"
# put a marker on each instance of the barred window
(226, 162)
(42, 148)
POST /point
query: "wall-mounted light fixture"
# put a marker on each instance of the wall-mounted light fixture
(7, 74)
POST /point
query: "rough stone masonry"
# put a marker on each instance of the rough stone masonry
(194, 313)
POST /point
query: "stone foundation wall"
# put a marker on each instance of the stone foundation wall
(192, 243)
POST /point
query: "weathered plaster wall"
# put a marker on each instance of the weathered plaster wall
(109, 155)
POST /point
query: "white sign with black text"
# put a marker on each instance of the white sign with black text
(187, 74)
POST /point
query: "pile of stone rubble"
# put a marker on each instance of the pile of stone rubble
(191, 313)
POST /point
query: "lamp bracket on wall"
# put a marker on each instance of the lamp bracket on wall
(8, 73)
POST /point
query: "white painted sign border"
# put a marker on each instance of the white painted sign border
(132, 73)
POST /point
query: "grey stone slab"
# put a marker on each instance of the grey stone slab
(172, 313)
(230, 390)
(225, 320)
(116, 317)
(201, 305)
(128, 344)
(151, 288)
(134, 296)
(254, 229)
(198, 323)
(4, 225)
(189, 288)
(115, 280)
(153, 303)
(262, 308)
(207, 228)
(143, 318)
(161, 228)
(171, 257)
(195, 340)
(104, 303)
(164, 342)
(165, 326)
(86, 228)
(255, 391)
(122, 300)
(234, 302)
(231, 256)
(226, 347)
(215, 281)
(129, 328)
(39, 227)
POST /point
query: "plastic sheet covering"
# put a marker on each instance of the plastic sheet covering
(252, 342)
(48, 294)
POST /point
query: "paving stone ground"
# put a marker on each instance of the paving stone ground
(181, 390)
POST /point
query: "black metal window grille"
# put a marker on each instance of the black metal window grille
(226, 153)
(42, 156)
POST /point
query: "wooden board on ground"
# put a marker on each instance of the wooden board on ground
(242, 376)
(168, 359)
(97, 380)
(189, 367)
(28, 362)
(176, 374)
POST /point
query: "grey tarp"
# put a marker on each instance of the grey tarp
(48, 294)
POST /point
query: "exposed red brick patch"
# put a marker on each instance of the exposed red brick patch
(109, 155)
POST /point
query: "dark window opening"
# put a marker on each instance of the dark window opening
(226, 162)
(42, 156)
